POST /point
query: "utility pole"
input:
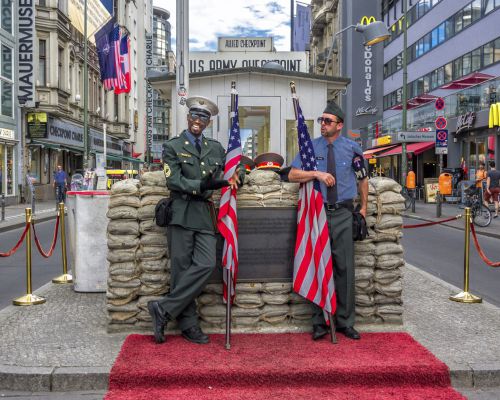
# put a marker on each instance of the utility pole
(182, 70)
(404, 160)
(85, 92)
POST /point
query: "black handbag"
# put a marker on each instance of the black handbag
(163, 212)
(359, 228)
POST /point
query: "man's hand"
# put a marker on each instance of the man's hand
(209, 183)
(362, 211)
(326, 178)
(235, 181)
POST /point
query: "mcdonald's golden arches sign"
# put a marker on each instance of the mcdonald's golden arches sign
(367, 20)
(494, 117)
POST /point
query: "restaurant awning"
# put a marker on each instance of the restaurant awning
(415, 148)
(469, 80)
(416, 101)
(367, 154)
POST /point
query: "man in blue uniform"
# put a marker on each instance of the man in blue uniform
(341, 173)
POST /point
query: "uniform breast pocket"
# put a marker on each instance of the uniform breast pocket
(214, 165)
(343, 170)
(187, 164)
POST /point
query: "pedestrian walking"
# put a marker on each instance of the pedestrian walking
(492, 192)
(192, 165)
(341, 173)
(60, 183)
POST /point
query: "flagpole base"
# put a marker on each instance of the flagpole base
(28, 300)
(466, 297)
(65, 278)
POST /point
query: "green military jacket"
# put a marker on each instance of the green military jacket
(184, 169)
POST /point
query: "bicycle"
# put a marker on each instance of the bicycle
(407, 196)
(481, 215)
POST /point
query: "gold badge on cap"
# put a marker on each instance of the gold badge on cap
(166, 170)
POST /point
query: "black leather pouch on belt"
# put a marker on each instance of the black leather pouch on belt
(359, 228)
(213, 215)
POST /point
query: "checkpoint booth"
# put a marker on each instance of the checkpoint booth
(267, 120)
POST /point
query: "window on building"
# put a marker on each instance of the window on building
(6, 91)
(457, 68)
(476, 59)
(6, 15)
(489, 5)
(448, 72)
(42, 62)
(466, 64)
(458, 21)
(497, 50)
(476, 10)
(466, 16)
(488, 53)
(60, 69)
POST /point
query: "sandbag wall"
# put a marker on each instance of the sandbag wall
(140, 270)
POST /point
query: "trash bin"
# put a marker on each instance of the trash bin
(87, 223)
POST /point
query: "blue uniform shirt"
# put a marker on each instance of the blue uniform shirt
(60, 177)
(192, 138)
(344, 150)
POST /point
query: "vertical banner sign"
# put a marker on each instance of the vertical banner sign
(26, 35)
(149, 98)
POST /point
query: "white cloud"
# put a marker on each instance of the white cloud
(210, 19)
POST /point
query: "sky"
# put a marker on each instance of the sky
(210, 19)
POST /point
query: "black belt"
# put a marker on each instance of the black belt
(341, 204)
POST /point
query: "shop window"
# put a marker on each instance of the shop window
(292, 144)
(2, 168)
(6, 15)
(488, 53)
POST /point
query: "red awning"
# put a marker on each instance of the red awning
(368, 153)
(416, 101)
(468, 80)
(415, 148)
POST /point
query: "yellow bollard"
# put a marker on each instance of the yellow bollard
(465, 296)
(28, 299)
(65, 277)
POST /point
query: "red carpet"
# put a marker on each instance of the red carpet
(285, 366)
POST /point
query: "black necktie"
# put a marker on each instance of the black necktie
(331, 193)
(197, 145)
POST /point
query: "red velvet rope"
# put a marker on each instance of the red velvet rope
(480, 251)
(54, 241)
(431, 223)
(18, 244)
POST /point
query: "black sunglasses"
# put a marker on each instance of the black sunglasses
(202, 117)
(327, 121)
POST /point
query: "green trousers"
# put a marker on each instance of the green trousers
(340, 229)
(192, 261)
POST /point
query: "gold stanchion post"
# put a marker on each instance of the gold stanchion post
(65, 277)
(28, 299)
(465, 296)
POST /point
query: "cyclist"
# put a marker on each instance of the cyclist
(492, 187)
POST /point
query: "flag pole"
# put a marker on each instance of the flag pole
(331, 320)
(85, 92)
(227, 270)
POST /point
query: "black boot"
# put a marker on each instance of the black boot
(195, 335)
(319, 331)
(159, 321)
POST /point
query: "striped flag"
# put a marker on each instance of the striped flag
(123, 66)
(227, 218)
(313, 266)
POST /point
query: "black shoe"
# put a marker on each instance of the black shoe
(195, 335)
(159, 321)
(319, 331)
(349, 332)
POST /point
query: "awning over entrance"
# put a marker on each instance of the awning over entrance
(371, 152)
(415, 148)
(468, 80)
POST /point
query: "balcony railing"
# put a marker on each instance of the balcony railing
(474, 98)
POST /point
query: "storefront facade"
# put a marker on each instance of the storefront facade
(52, 141)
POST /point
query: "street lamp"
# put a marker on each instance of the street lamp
(373, 33)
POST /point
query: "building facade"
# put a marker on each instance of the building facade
(50, 130)
(453, 53)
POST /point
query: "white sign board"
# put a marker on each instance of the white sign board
(6, 134)
(416, 136)
(201, 61)
(245, 44)
(441, 150)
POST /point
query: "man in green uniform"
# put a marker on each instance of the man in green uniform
(192, 166)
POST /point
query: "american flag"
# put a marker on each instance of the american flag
(227, 218)
(124, 65)
(313, 266)
(109, 50)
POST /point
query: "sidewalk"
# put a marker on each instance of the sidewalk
(427, 212)
(63, 346)
(15, 214)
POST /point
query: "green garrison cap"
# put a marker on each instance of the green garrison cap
(334, 109)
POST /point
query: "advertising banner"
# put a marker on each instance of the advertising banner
(25, 46)
(37, 125)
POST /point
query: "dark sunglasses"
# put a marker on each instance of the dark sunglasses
(202, 117)
(327, 121)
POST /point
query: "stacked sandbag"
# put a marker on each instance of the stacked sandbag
(385, 229)
(269, 306)
(264, 189)
(153, 262)
(123, 242)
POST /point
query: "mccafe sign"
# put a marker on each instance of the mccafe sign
(465, 121)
